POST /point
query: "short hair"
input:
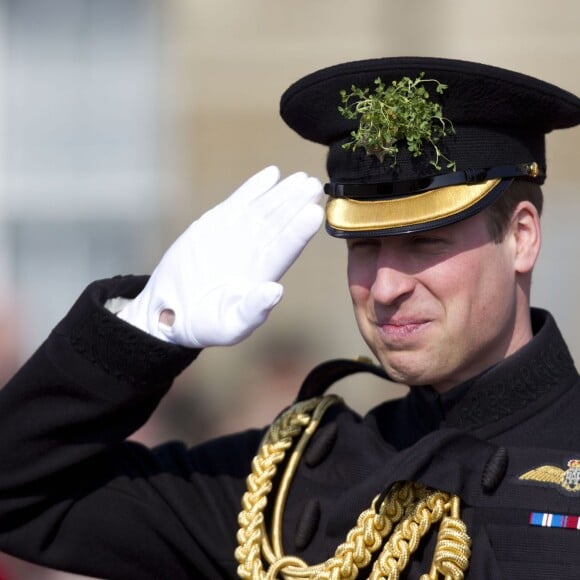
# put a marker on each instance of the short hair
(499, 214)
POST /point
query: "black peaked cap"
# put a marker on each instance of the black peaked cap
(500, 119)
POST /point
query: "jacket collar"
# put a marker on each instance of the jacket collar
(530, 378)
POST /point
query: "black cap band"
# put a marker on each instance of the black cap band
(399, 188)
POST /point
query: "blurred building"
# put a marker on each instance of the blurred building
(79, 134)
(122, 120)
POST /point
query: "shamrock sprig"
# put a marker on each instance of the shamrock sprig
(396, 112)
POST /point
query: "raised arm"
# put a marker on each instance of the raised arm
(74, 494)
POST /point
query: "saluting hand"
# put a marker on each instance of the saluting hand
(220, 279)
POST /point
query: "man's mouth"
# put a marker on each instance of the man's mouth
(400, 328)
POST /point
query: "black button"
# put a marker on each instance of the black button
(307, 524)
(321, 445)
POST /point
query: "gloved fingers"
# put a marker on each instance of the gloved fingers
(257, 208)
(287, 215)
(255, 186)
(302, 228)
(230, 210)
(296, 209)
(279, 204)
(284, 248)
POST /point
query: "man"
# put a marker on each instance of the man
(434, 183)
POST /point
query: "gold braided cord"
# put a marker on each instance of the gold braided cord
(252, 538)
(320, 407)
(396, 527)
(406, 537)
(452, 552)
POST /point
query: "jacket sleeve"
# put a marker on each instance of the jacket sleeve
(74, 494)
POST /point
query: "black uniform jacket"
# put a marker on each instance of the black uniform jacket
(75, 495)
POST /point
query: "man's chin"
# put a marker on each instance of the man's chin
(407, 374)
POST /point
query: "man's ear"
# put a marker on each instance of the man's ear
(527, 236)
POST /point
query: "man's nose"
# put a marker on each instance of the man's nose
(392, 280)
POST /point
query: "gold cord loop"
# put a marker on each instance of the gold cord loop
(396, 527)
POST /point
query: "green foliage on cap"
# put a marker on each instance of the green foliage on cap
(401, 110)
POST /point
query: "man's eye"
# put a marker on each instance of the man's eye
(427, 240)
(362, 243)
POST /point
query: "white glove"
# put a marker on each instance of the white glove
(220, 277)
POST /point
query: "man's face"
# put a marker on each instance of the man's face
(438, 307)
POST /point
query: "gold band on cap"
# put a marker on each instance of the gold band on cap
(353, 215)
